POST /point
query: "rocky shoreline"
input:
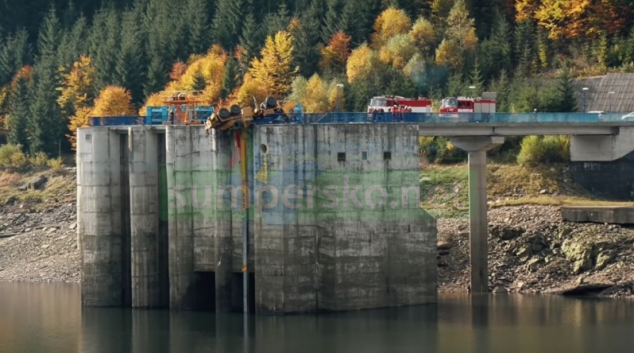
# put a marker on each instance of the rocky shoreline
(532, 250)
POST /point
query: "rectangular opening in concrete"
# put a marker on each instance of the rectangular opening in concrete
(341, 157)
(364, 156)
(126, 240)
(163, 227)
(205, 291)
(387, 156)
(237, 295)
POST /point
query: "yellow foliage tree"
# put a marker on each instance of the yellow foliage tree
(398, 51)
(316, 99)
(362, 60)
(76, 87)
(390, 22)
(113, 101)
(335, 55)
(460, 38)
(80, 119)
(211, 67)
(423, 35)
(274, 70)
(250, 88)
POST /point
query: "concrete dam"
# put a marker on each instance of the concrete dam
(292, 218)
(331, 218)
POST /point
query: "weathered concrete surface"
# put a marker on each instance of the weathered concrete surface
(355, 246)
(144, 213)
(585, 148)
(598, 214)
(610, 180)
(477, 148)
(99, 216)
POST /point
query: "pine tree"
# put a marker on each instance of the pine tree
(195, 13)
(229, 78)
(251, 39)
(305, 42)
(130, 65)
(156, 77)
(15, 53)
(455, 85)
(104, 41)
(227, 22)
(476, 80)
(19, 105)
(45, 125)
(73, 43)
(332, 21)
(566, 89)
(277, 22)
(502, 87)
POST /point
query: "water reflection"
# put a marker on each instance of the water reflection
(49, 318)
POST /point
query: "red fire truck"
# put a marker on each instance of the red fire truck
(385, 104)
(481, 106)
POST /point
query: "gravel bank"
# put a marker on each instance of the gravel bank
(39, 246)
(533, 250)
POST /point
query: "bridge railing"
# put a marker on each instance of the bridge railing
(435, 118)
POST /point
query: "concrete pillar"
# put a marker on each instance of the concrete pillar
(181, 242)
(99, 216)
(477, 148)
(222, 232)
(144, 217)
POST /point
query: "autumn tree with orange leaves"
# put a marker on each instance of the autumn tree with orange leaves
(335, 55)
(113, 101)
(275, 71)
(76, 90)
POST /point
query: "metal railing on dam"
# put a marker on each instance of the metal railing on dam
(411, 118)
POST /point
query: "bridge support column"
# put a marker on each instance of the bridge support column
(477, 148)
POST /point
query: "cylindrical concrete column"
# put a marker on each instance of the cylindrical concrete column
(478, 223)
(99, 212)
(181, 240)
(144, 209)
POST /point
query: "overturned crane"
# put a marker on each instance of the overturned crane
(236, 117)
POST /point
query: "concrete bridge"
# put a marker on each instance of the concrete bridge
(333, 222)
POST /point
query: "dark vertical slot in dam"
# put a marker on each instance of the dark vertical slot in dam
(126, 241)
(205, 291)
(163, 227)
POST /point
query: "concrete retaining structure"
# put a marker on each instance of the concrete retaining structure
(161, 221)
(598, 214)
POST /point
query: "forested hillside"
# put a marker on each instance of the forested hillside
(61, 62)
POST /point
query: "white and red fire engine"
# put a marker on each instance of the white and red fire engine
(387, 103)
(453, 107)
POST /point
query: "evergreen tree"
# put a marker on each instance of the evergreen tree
(306, 52)
(523, 41)
(455, 85)
(73, 43)
(19, 106)
(104, 41)
(332, 21)
(276, 22)
(566, 89)
(130, 65)
(484, 13)
(229, 78)
(502, 87)
(227, 23)
(195, 14)
(156, 77)
(15, 52)
(251, 39)
(45, 125)
(476, 80)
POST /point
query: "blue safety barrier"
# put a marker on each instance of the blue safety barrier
(159, 115)
(116, 120)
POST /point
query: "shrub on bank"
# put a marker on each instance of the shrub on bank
(440, 150)
(544, 149)
(13, 159)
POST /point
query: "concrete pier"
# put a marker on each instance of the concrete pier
(477, 148)
(336, 222)
(99, 216)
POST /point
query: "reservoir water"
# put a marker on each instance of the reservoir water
(48, 318)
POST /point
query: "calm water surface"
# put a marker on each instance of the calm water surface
(49, 319)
